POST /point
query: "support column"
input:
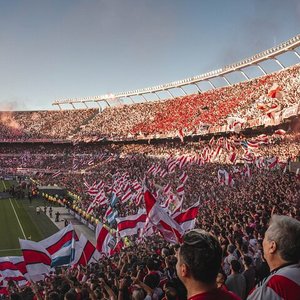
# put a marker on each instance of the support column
(170, 93)
(199, 90)
(279, 63)
(157, 95)
(211, 84)
(244, 74)
(296, 53)
(131, 99)
(261, 69)
(227, 81)
(144, 97)
(183, 90)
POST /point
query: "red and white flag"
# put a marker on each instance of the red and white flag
(56, 174)
(170, 230)
(187, 219)
(180, 190)
(225, 178)
(37, 259)
(183, 178)
(167, 189)
(10, 271)
(232, 157)
(126, 197)
(85, 252)
(130, 225)
(105, 241)
(272, 162)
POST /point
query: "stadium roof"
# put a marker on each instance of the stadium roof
(270, 54)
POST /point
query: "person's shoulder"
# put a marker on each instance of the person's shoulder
(227, 295)
(216, 294)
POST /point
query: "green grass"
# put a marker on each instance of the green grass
(30, 224)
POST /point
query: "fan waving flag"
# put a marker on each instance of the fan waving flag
(37, 259)
(61, 246)
(105, 241)
(170, 229)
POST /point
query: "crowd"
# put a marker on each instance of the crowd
(188, 114)
(239, 183)
(43, 124)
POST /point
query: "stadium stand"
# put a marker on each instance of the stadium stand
(231, 181)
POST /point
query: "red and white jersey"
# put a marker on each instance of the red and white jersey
(283, 283)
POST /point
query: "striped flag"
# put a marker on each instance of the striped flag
(10, 271)
(130, 225)
(85, 251)
(187, 219)
(37, 259)
(61, 246)
(180, 189)
(167, 189)
(183, 178)
(105, 241)
(56, 174)
(126, 197)
(232, 157)
(170, 229)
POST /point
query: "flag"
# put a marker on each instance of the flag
(61, 246)
(130, 225)
(232, 157)
(37, 259)
(105, 241)
(272, 162)
(163, 173)
(85, 251)
(225, 178)
(127, 196)
(56, 174)
(187, 219)
(181, 135)
(9, 270)
(180, 190)
(183, 178)
(182, 161)
(167, 189)
(170, 230)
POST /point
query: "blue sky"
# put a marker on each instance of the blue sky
(71, 48)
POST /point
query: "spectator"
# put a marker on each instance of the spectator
(199, 260)
(236, 281)
(282, 252)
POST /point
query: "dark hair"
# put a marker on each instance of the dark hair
(152, 280)
(235, 265)
(53, 296)
(202, 254)
(248, 260)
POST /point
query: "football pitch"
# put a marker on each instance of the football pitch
(18, 219)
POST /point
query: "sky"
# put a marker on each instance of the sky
(56, 49)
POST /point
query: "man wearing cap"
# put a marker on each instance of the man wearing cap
(281, 247)
(198, 263)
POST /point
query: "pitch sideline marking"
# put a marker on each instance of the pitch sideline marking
(4, 250)
(15, 213)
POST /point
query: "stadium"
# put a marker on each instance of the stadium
(96, 201)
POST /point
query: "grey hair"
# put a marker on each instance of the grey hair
(285, 232)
